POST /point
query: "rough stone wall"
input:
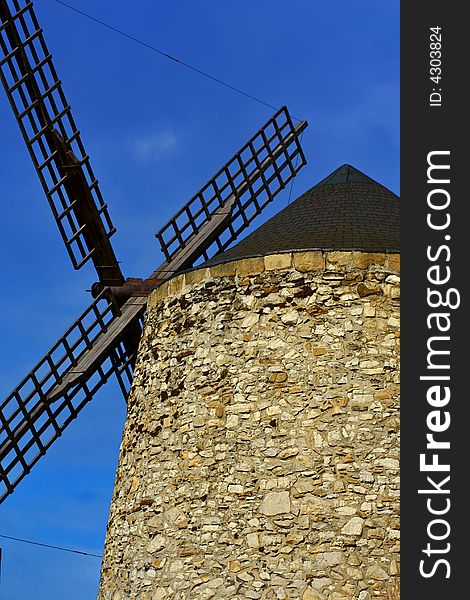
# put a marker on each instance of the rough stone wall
(260, 453)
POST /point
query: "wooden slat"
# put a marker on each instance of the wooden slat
(53, 140)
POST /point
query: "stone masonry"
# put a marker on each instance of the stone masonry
(260, 454)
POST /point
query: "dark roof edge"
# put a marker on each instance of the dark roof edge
(210, 264)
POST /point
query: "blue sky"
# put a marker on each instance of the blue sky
(155, 133)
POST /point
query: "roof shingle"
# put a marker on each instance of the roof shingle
(346, 211)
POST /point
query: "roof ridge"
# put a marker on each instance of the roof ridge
(330, 215)
(347, 174)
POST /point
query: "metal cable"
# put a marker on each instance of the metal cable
(8, 537)
(166, 55)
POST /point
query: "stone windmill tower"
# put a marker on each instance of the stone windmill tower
(260, 454)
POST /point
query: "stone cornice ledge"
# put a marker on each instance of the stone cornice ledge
(302, 262)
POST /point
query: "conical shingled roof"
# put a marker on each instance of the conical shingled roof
(346, 211)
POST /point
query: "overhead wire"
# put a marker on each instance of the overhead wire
(180, 62)
(168, 56)
(15, 539)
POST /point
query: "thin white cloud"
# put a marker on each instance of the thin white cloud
(155, 146)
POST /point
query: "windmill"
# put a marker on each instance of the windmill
(103, 341)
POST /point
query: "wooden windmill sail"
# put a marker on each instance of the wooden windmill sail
(102, 342)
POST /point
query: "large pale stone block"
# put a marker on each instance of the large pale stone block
(338, 259)
(353, 526)
(393, 261)
(250, 266)
(308, 261)
(224, 270)
(196, 276)
(362, 260)
(275, 262)
(275, 503)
